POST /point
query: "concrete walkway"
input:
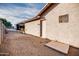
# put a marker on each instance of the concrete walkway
(18, 44)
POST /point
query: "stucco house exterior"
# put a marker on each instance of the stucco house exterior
(62, 24)
(58, 22)
(34, 27)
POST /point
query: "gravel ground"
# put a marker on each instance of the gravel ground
(18, 44)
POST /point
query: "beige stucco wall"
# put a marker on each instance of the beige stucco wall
(33, 28)
(63, 32)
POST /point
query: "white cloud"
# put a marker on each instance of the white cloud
(31, 11)
(10, 14)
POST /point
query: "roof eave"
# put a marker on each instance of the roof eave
(39, 14)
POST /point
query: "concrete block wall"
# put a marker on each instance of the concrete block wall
(2, 32)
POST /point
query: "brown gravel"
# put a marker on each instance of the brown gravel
(18, 44)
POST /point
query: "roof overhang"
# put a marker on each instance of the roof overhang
(39, 15)
(44, 9)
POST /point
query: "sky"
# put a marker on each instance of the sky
(17, 12)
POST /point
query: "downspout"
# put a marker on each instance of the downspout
(41, 25)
